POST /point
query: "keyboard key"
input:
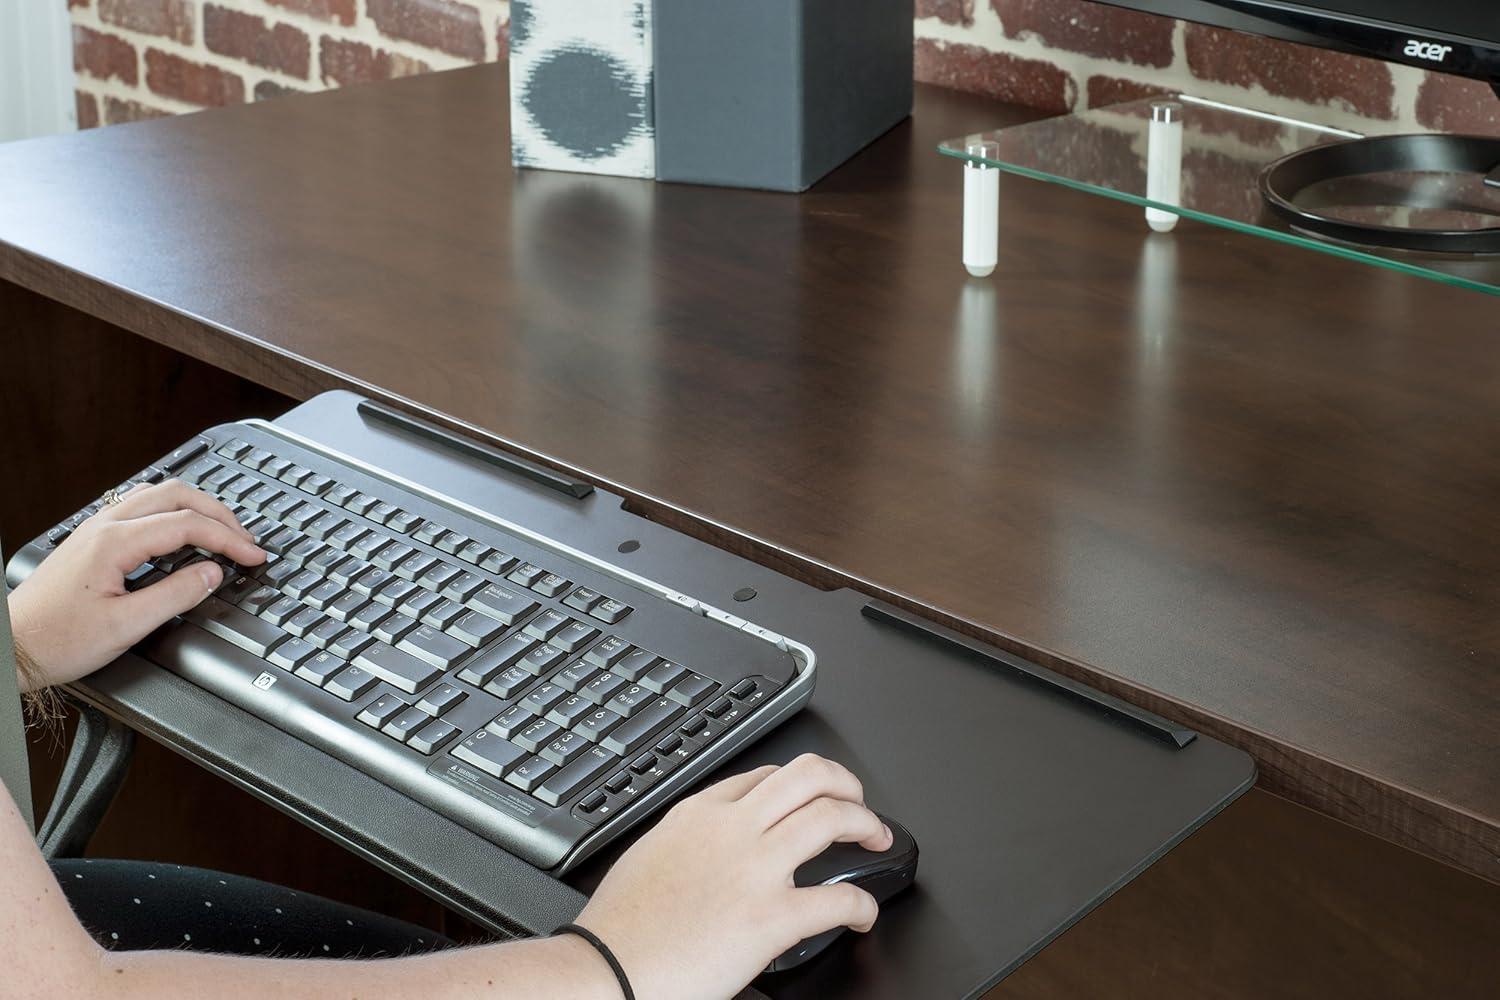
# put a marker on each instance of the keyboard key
(530, 773)
(316, 484)
(326, 524)
(593, 802)
(608, 652)
(694, 726)
(643, 763)
(451, 542)
(340, 494)
(389, 555)
(432, 737)
(396, 592)
(443, 613)
(428, 644)
(717, 707)
(501, 604)
(619, 782)
(360, 503)
(239, 488)
(489, 753)
(507, 682)
(575, 675)
(186, 453)
(526, 574)
(440, 699)
(294, 474)
(511, 721)
(610, 610)
(259, 599)
(473, 552)
(381, 512)
(283, 506)
(583, 599)
(233, 449)
(369, 616)
(402, 522)
(602, 688)
(279, 541)
(429, 532)
(537, 735)
(350, 644)
(633, 699)
(744, 688)
(475, 629)
(279, 611)
(547, 624)
(293, 653)
(542, 659)
(396, 667)
(326, 563)
(692, 689)
(551, 585)
(320, 668)
(370, 580)
(326, 632)
(419, 602)
(487, 664)
(635, 732)
(274, 467)
(463, 586)
(381, 710)
(347, 535)
(636, 665)
(347, 605)
(323, 594)
(394, 628)
(406, 723)
(252, 634)
(570, 710)
(569, 780)
(304, 621)
(216, 481)
(415, 565)
(668, 744)
(438, 575)
(597, 724)
(304, 550)
(497, 562)
(302, 516)
(542, 697)
(370, 544)
(565, 748)
(350, 683)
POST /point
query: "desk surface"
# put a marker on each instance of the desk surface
(1241, 484)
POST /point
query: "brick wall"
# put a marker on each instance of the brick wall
(1071, 54)
(144, 58)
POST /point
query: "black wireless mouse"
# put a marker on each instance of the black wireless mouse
(882, 874)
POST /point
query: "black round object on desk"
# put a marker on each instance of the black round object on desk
(1295, 185)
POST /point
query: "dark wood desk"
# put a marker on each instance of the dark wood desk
(1241, 484)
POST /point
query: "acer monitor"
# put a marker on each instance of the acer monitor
(1426, 193)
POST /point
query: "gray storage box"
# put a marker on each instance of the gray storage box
(745, 93)
(775, 93)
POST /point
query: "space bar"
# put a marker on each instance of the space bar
(252, 634)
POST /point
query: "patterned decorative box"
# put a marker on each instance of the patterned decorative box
(746, 93)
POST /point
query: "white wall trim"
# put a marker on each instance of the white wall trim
(36, 69)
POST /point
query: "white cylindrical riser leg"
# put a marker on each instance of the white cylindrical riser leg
(1164, 164)
(981, 219)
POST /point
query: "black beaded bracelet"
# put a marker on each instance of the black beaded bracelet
(602, 949)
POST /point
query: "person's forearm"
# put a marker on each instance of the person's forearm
(560, 967)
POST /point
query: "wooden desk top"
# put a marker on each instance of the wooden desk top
(1249, 486)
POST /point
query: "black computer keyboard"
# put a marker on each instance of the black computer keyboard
(541, 696)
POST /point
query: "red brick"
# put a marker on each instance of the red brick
(78, 3)
(168, 18)
(245, 36)
(86, 107)
(1105, 90)
(195, 83)
(341, 11)
(438, 24)
(947, 11)
(102, 55)
(346, 63)
(1091, 28)
(1312, 76)
(269, 89)
(996, 74)
(117, 111)
(1451, 104)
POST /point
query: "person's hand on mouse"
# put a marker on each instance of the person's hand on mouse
(74, 615)
(705, 901)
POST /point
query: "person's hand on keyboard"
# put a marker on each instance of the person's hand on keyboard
(700, 905)
(76, 613)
